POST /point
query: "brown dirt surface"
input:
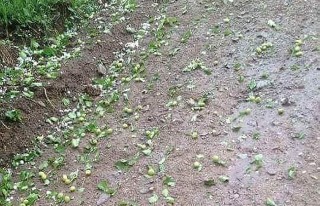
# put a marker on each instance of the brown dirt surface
(16, 138)
(260, 117)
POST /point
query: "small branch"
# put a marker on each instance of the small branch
(4, 125)
(42, 105)
(45, 93)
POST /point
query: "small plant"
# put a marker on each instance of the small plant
(186, 36)
(258, 161)
(296, 50)
(14, 115)
(263, 48)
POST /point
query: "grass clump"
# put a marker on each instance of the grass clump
(38, 17)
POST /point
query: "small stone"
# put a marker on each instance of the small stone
(102, 70)
(271, 171)
(285, 102)
(102, 199)
(146, 190)
(275, 123)
(236, 196)
(242, 156)
(263, 83)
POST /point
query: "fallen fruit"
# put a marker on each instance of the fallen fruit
(72, 188)
(298, 54)
(109, 131)
(215, 158)
(66, 198)
(194, 135)
(298, 42)
(64, 177)
(88, 172)
(42, 175)
(151, 171)
(67, 181)
(196, 165)
(297, 48)
(60, 195)
(280, 111)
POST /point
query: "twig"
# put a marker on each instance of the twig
(42, 105)
(45, 93)
(4, 125)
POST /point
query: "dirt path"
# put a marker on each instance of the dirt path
(211, 103)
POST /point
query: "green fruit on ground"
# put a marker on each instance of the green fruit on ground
(151, 171)
(66, 198)
(280, 111)
(215, 158)
(88, 172)
(196, 165)
(67, 181)
(72, 188)
(64, 177)
(60, 195)
(109, 131)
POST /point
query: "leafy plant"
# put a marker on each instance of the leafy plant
(14, 115)
(104, 186)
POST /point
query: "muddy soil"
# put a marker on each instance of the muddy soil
(261, 116)
(75, 77)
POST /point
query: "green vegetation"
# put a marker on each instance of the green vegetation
(39, 16)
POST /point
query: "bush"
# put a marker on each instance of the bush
(38, 16)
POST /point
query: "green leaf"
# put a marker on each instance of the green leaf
(75, 142)
(153, 199)
(32, 198)
(270, 202)
(169, 181)
(252, 85)
(147, 151)
(65, 101)
(258, 160)
(209, 182)
(165, 192)
(74, 175)
(14, 115)
(170, 200)
(122, 165)
(224, 178)
(104, 186)
(43, 165)
(292, 171)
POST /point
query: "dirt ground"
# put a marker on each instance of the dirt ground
(261, 115)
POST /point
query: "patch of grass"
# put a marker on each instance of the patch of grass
(38, 16)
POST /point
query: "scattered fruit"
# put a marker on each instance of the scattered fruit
(88, 172)
(42, 175)
(60, 195)
(196, 165)
(109, 131)
(72, 188)
(151, 171)
(194, 135)
(280, 111)
(66, 198)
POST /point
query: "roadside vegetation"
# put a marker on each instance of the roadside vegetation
(35, 18)
(188, 108)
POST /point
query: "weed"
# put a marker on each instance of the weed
(14, 115)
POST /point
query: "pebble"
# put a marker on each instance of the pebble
(102, 70)
(102, 199)
(271, 171)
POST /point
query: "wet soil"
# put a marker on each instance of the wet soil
(75, 77)
(282, 81)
